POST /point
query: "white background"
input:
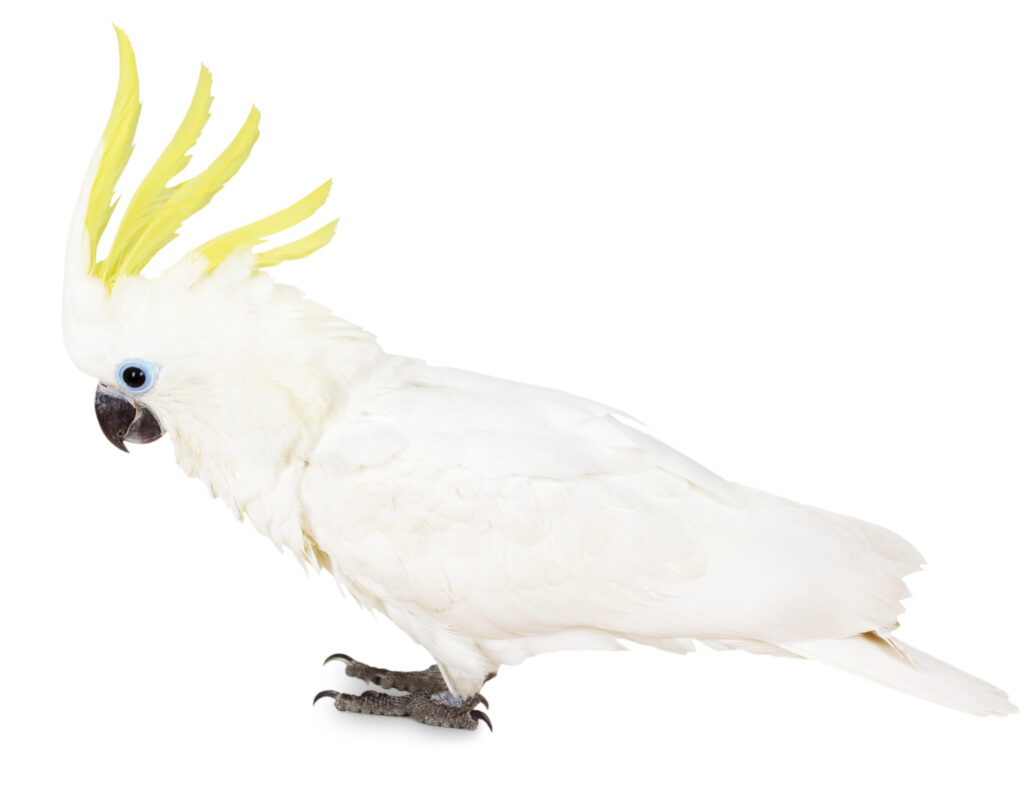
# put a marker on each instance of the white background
(787, 236)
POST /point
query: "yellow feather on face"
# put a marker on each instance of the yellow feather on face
(158, 209)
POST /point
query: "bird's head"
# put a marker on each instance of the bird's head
(211, 351)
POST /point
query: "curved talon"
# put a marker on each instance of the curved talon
(338, 656)
(482, 717)
(483, 699)
(322, 694)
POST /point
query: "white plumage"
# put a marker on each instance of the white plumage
(490, 520)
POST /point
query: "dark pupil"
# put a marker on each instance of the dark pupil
(133, 376)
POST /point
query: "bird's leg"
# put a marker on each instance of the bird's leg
(427, 698)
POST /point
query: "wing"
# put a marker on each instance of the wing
(497, 428)
(507, 511)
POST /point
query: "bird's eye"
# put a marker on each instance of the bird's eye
(133, 376)
(137, 375)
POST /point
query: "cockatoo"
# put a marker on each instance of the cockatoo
(489, 520)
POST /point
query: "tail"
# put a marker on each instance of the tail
(882, 658)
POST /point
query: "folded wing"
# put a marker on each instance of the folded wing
(506, 511)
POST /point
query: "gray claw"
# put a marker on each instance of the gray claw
(331, 694)
(483, 699)
(482, 717)
(339, 656)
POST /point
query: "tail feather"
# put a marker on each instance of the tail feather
(900, 666)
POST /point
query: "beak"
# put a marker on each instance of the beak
(123, 419)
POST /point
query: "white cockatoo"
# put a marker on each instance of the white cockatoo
(489, 520)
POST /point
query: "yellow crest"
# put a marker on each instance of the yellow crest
(157, 209)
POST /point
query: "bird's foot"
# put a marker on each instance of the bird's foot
(427, 698)
(441, 709)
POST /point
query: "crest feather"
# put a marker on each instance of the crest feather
(157, 209)
(185, 199)
(116, 145)
(248, 236)
(300, 248)
(127, 253)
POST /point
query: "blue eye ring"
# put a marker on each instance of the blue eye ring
(137, 376)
